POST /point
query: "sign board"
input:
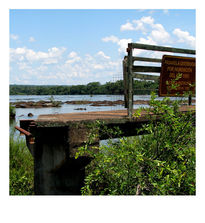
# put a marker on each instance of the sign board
(177, 75)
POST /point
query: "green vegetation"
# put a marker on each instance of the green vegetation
(55, 103)
(140, 88)
(12, 111)
(160, 162)
(20, 168)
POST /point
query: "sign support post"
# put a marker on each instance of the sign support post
(190, 99)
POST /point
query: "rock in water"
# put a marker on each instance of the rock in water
(80, 109)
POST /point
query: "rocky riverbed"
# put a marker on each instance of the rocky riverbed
(43, 104)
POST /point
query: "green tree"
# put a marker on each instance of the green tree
(140, 87)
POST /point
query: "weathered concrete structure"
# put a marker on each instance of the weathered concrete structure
(53, 141)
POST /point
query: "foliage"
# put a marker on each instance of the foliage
(21, 168)
(55, 103)
(140, 88)
(12, 111)
(160, 162)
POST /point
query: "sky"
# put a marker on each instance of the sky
(71, 47)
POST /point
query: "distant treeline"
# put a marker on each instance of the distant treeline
(140, 88)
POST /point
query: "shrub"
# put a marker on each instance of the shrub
(162, 162)
(12, 111)
(55, 103)
(20, 168)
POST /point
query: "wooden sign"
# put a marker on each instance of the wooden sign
(177, 75)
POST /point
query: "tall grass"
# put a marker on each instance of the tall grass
(21, 168)
(12, 111)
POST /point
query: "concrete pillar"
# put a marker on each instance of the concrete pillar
(55, 172)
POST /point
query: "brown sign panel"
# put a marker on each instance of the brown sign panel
(177, 75)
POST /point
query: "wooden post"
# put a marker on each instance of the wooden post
(125, 81)
(134, 71)
(130, 82)
(190, 99)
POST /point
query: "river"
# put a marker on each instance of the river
(22, 113)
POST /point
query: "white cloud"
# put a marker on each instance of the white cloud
(123, 45)
(50, 61)
(20, 51)
(139, 24)
(74, 58)
(23, 66)
(112, 38)
(159, 34)
(72, 54)
(149, 40)
(155, 33)
(14, 37)
(146, 24)
(127, 26)
(56, 52)
(147, 20)
(52, 56)
(31, 39)
(98, 66)
(88, 57)
(31, 55)
(115, 63)
(102, 54)
(184, 37)
(42, 68)
(31, 65)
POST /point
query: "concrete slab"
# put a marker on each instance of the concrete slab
(115, 116)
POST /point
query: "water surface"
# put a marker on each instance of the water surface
(22, 113)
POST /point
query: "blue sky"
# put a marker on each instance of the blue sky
(67, 47)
